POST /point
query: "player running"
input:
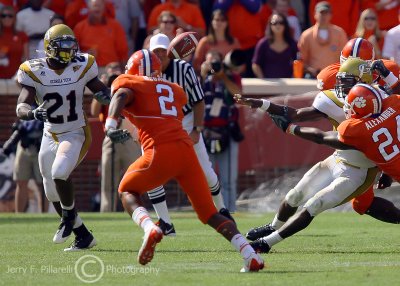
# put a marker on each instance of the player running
(57, 82)
(154, 106)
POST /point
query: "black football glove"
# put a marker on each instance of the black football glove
(118, 135)
(40, 113)
(385, 181)
(103, 97)
(380, 68)
(281, 121)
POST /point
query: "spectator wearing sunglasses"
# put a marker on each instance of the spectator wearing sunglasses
(275, 53)
(218, 39)
(368, 28)
(167, 25)
(13, 44)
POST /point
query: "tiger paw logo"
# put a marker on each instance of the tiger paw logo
(360, 102)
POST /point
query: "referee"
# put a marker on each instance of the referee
(182, 73)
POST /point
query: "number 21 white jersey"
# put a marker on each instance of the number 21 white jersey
(62, 91)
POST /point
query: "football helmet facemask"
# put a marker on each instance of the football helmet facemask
(363, 101)
(351, 72)
(60, 44)
(358, 48)
(144, 63)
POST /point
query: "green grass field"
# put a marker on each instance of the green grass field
(336, 249)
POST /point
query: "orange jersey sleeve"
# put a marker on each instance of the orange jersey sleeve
(327, 77)
(377, 138)
(156, 109)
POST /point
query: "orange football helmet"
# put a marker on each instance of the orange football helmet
(143, 63)
(363, 101)
(358, 48)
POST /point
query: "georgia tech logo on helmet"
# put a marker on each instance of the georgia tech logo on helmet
(363, 69)
(360, 102)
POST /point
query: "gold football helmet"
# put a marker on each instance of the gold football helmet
(351, 72)
(60, 43)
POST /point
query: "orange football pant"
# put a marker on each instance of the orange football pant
(362, 203)
(172, 160)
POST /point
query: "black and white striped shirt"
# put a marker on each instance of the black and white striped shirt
(183, 74)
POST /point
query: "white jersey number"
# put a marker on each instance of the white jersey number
(166, 99)
(389, 140)
(58, 102)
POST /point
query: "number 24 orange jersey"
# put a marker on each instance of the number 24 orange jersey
(156, 108)
(378, 138)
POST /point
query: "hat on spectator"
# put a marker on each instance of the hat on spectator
(323, 6)
(159, 41)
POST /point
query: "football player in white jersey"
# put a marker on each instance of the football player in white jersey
(57, 82)
(336, 180)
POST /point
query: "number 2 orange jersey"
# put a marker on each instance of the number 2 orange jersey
(156, 108)
(378, 138)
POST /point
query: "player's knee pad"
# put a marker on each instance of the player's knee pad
(314, 206)
(60, 172)
(50, 190)
(294, 197)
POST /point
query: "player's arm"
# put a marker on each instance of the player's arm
(388, 77)
(121, 98)
(101, 92)
(295, 115)
(318, 136)
(25, 101)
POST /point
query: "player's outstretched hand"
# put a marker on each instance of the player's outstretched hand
(281, 121)
(385, 181)
(380, 68)
(103, 97)
(252, 102)
(40, 113)
(118, 135)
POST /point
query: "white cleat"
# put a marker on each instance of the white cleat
(82, 243)
(253, 263)
(150, 240)
(64, 232)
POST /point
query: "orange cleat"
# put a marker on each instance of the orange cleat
(150, 241)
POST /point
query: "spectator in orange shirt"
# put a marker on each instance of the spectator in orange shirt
(167, 25)
(13, 44)
(368, 28)
(102, 37)
(320, 45)
(77, 10)
(188, 15)
(218, 39)
(345, 13)
(57, 6)
(386, 10)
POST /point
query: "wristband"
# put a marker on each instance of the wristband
(265, 104)
(391, 79)
(291, 128)
(111, 123)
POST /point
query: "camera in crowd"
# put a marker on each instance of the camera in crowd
(232, 60)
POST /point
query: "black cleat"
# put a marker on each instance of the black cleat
(258, 232)
(82, 243)
(167, 229)
(225, 212)
(260, 246)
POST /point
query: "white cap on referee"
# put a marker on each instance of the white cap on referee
(159, 41)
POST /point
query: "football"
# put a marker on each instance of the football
(182, 45)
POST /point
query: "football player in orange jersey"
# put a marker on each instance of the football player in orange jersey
(363, 49)
(388, 72)
(154, 106)
(372, 126)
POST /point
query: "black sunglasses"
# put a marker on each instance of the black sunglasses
(370, 18)
(7, 16)
(168, 22)
(277, 23)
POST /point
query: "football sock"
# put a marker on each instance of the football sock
(273, 238)
(157, 198)
(67, 207)
(81, 231)
(78, 221)
(142, 218)
(217, 196)
(276, 223)
(241, 245)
